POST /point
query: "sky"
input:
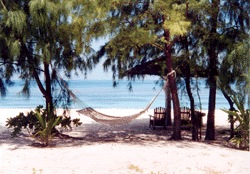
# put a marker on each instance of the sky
(98, 73)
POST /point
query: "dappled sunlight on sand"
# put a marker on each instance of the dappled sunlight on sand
(132, 148)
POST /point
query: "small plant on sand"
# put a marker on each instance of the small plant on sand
(47, 122)
(34, 170)
(241, 136)
(133, 167)
(156, 173)
(40, 124)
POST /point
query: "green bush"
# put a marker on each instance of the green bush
(40, 124)
(241, 135)
(47, 122)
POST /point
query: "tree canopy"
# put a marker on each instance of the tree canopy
(142, 31)
(40, 38)
(206, 38)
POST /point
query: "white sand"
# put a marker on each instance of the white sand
(132, 148)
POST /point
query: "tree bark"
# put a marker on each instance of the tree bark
(38, 81)
(168, 105)
(231, 104)
(194, 119)
(45, 91)
(173, 86)
(210, 132)
(177, 116)
(48, 96)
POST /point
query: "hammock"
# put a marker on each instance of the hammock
(113, 120)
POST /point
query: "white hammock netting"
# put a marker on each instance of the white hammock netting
(113, 120)
(107, 119)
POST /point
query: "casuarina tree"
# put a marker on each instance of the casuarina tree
(39, 39)
(133, 27)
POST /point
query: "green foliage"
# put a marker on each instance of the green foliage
(47, 124)
(174, 13)
(241, 137)
(77, 122)
(234, 70)
(37, 36)
(21, 121)
(136, 28)
(40, 124)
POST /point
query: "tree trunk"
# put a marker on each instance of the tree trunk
(194, 119)
(249, 95)
(48, 96)
(168, 105)
(210, 132)
(171, 80)
(186, 71)
(47, 91)
(231, 103)
(177, 116)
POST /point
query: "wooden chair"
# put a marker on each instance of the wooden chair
(185, 115)
(199, 117)
(159, 118)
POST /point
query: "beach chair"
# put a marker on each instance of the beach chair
(200, 116)
(185, 115)
(159, 118)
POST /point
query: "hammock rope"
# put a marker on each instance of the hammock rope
(107, 119)
(116, 120)
(113, 120)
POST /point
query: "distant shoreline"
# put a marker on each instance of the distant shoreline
(101, 94)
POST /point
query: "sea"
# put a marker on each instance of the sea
(102, 94)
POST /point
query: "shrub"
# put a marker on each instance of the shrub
(40, 124)
(47, 122)
(241, 136)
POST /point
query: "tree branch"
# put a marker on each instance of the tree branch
(132, 25)
(186, 9)
(38, 81)
(173, 42)
(17, 64)
(3, 5)
(158, 46)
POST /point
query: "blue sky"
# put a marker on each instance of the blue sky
(98, 73)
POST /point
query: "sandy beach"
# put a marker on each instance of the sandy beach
(132, 148)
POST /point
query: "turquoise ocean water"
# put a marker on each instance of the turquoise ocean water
(101, 94)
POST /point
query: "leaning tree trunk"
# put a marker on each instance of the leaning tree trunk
(45, 91)
(194, 120)
(210, 132)
(194, 116)
(186, 71)
(231, 104)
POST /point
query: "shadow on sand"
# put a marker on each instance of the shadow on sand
(135, 133)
